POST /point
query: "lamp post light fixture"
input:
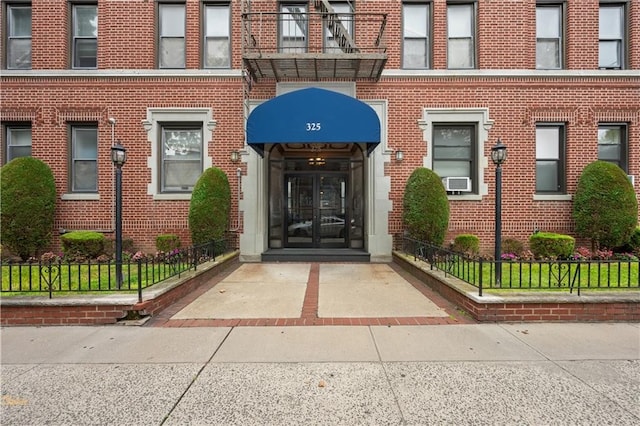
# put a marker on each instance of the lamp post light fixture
(119, 157)
(498, 156)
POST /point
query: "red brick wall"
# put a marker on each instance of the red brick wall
(506, 40)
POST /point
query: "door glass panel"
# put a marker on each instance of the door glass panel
(276, 219)
(356, 218)
(300, 209)
(333, 219)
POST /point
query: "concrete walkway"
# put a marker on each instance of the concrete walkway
(257, 294)
(469, 374)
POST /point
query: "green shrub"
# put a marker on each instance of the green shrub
(210, 206)
(634, 241)
(633, 245)
(83, 244)
(467, 243)
(547, 245)
(511, 245)
(27, 206)
(167, 242)
(425, 207)
(605, 207)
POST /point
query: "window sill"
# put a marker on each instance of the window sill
(169, 197)
(555, 197)
(80, 197)
(469, 197)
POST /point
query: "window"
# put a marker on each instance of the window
(293, 28)
(181, 157)
(454, 151)
(172, 35)
(344, 11)
(18, 37)
(415, 30)
(84, 158)
(460, 36)
(455, 146)
(611, 24)
(549, 34)
(217, 45)
(178, 141)
(85, 36)
(612, 144)
(550, 158)
(18, 141)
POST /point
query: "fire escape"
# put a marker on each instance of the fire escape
(323, 44)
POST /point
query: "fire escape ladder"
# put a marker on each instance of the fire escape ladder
(335, 27)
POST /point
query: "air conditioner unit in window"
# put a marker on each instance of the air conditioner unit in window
(457, 184)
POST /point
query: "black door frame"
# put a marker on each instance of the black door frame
(314, 230)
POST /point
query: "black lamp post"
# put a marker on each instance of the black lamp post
(119, 157)
(498, 156)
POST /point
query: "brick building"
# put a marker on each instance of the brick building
(341, 101)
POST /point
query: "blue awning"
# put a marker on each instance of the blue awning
(313, 116)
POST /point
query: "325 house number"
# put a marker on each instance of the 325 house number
(313, 127)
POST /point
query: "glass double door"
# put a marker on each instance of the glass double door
(316, 210)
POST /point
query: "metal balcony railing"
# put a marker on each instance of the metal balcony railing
(314, 45)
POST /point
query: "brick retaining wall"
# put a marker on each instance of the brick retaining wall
(564, 307)
(72, 311)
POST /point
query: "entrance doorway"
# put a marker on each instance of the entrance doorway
(316, 196)
(316, 210)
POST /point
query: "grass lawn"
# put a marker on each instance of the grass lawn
(547, 275)
(31, 279)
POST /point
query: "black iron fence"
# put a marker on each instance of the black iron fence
(520, 274)
(51, 274)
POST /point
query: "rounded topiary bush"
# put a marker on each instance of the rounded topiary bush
(425, 207)
(27, 206)
(548, 245)
(210, 206)
(467, 243)
(605, 207)
(80, 245)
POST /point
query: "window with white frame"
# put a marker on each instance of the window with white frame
(550, 158)
(549, 36)
(181, 157)
(85, 36)
(17, 141)
(612, 144)
(293, 28)
(18, 36)
(461, 36)
(415, 40)
(454, 151)
(84, 158)
(171, 34)
(612, 36)
(217, 36)
(344, 13)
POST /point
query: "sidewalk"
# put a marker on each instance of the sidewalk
(493, 374)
